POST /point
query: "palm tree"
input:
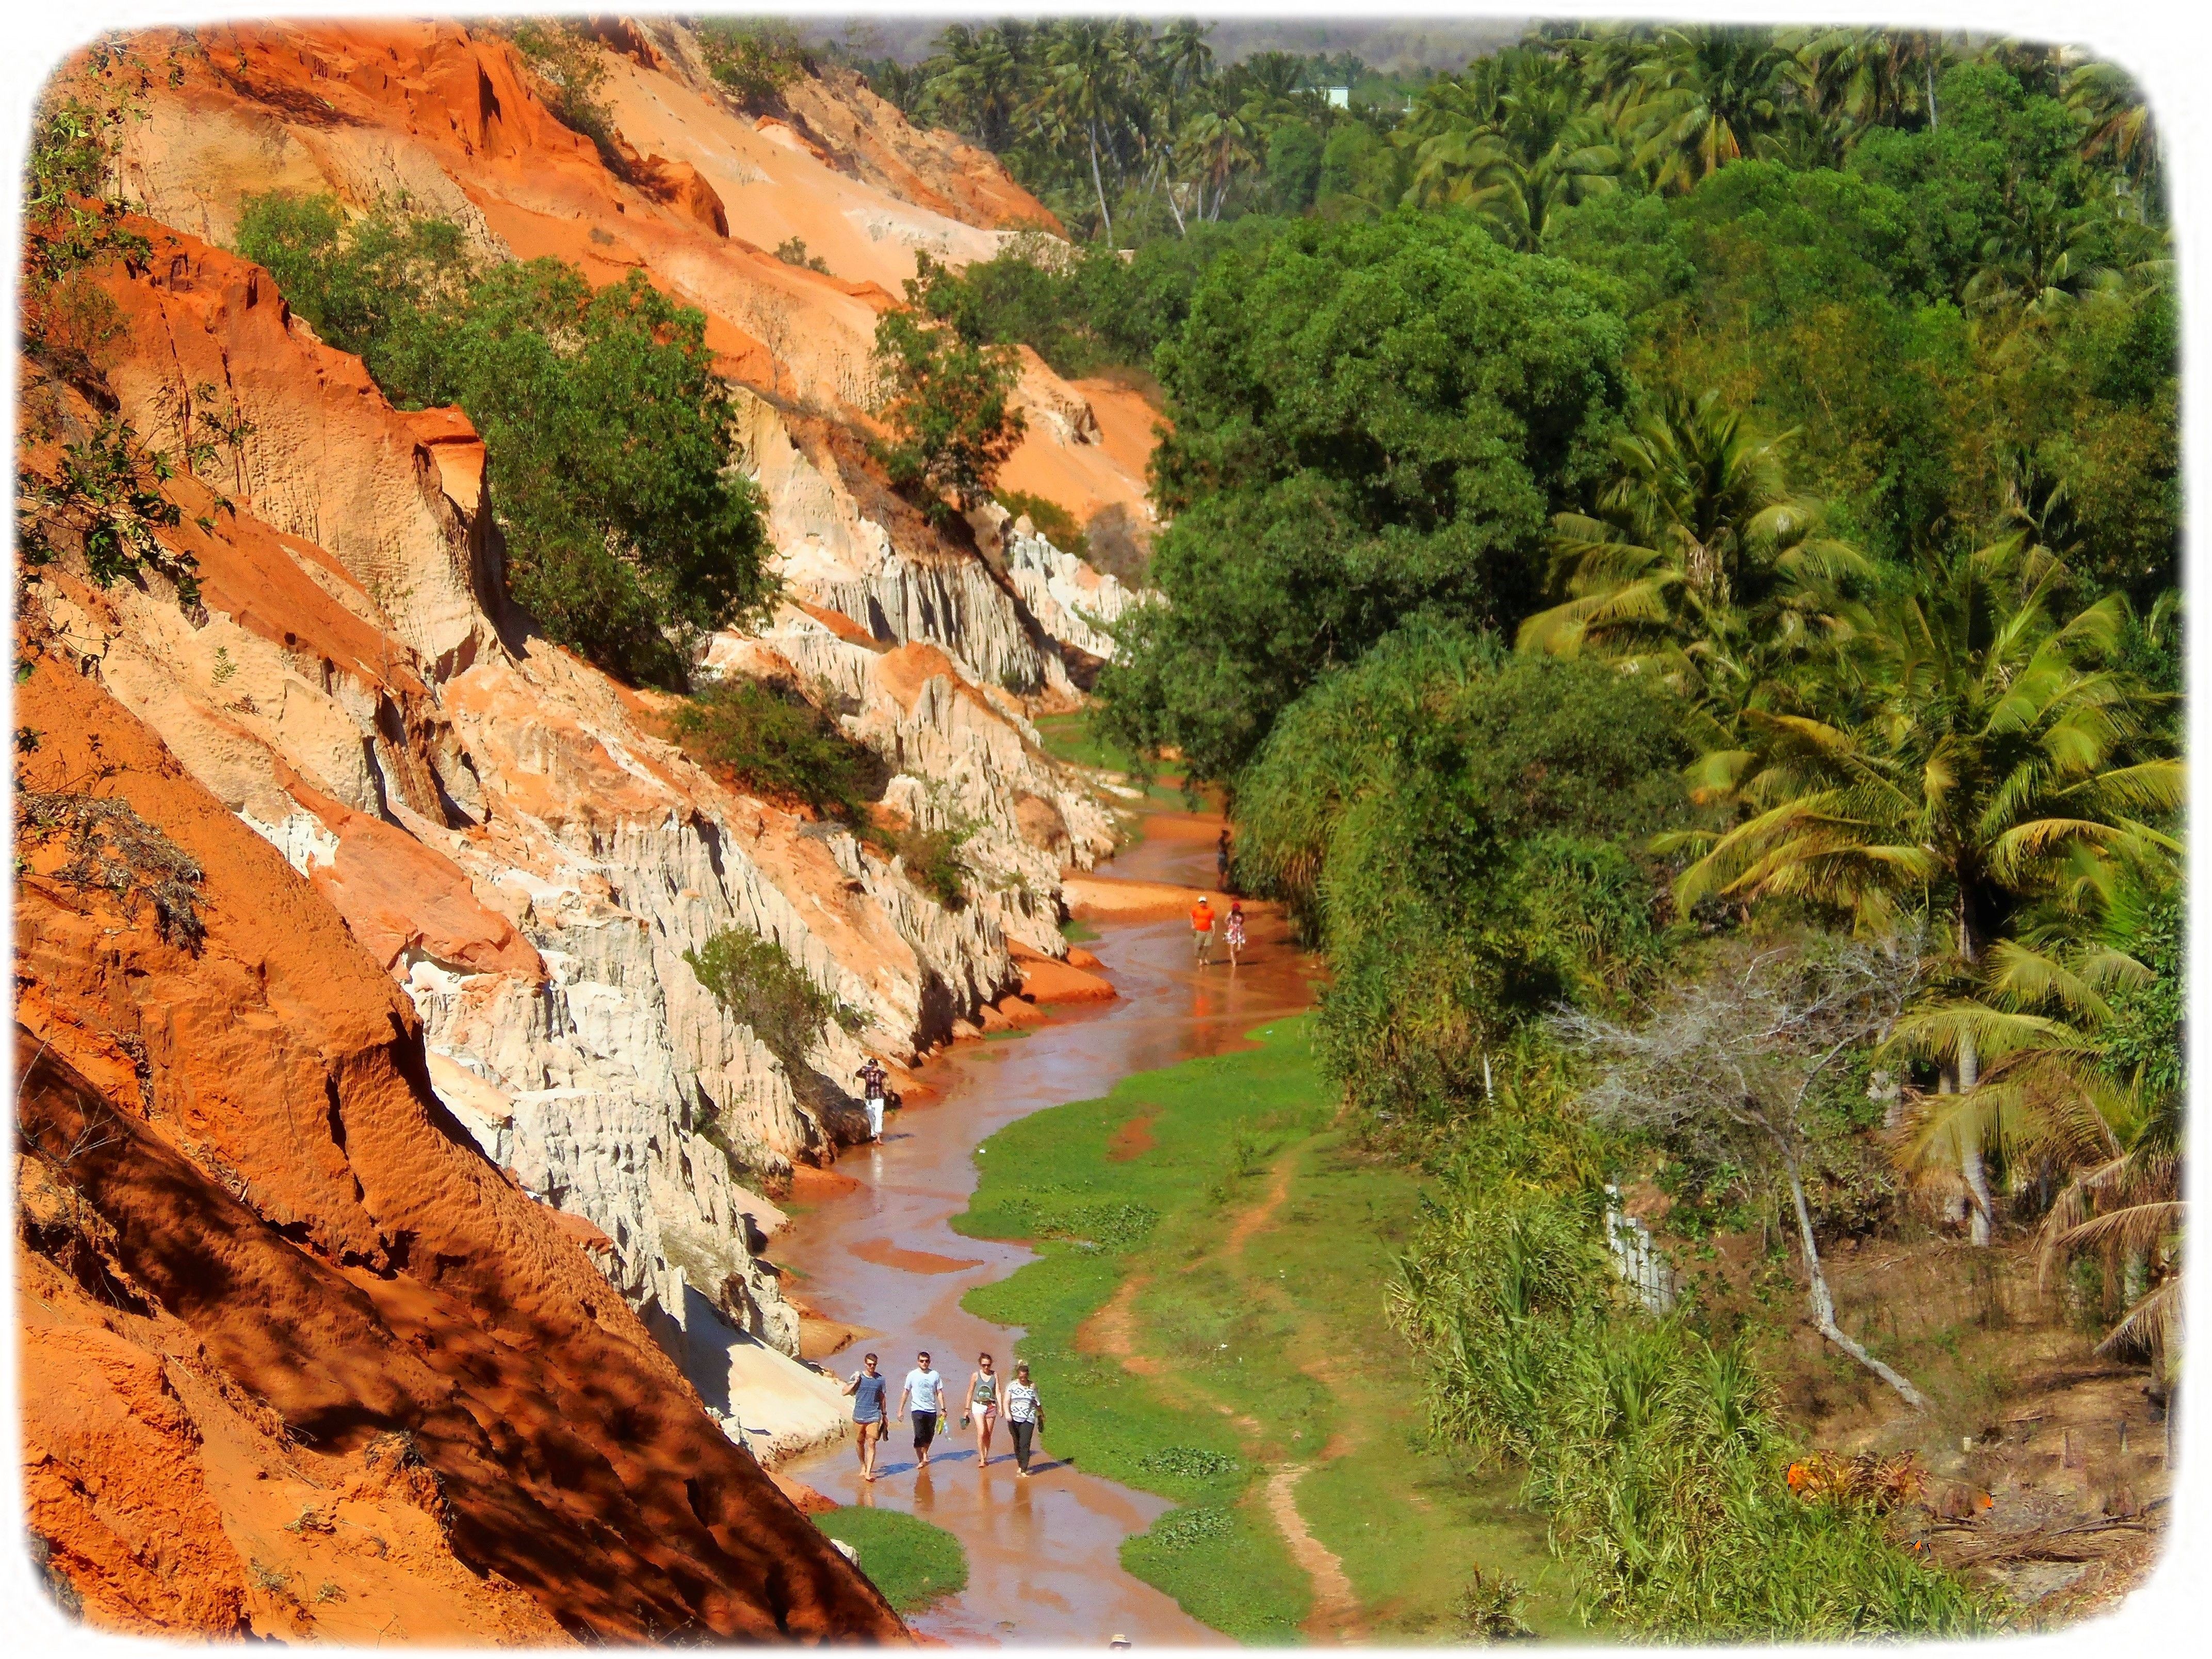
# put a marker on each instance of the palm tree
(2117, 123)
(1519, 136)
(1088, 71)
(2042, 257)
(1977, 754)
(1218, 140)
(977, 86)
(1704, 97)
(1699, 547)
(2076, 1088)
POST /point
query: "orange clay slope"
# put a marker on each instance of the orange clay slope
(700, 194)
(298, 1360)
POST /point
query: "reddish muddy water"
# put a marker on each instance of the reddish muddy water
(1043, 1554)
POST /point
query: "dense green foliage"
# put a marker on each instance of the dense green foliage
(1475, 867)
(1127, 132)
(1801, 406)
(774, 743)
(949, 404)
(1372, 420)
(629, 531)
(932, 862)
(1082, 309)
(755, 58)
(758, 984)
(912, 1561)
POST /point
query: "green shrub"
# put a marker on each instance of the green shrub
(388, 286)
(949, 405)
(1463, 829)
(934, 863)
(569, 64)
(628, 533)
(1657, 1454)
(1054, 522)
(776, 745)
(759, 985)
(755, 58)
(792, 250)
(911, 1561)
(1490, 1609)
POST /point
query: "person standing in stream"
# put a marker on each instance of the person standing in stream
(1232, 932)
(923, 1396)
(874, 1078)
(1221, 850)
(868, 1391)
(1025, 1416)
(982, 1408)
(1201, 929)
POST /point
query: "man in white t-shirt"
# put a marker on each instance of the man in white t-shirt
(924, 1396)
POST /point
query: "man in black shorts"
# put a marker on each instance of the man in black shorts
(924, 1395)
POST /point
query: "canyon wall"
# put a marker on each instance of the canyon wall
(451, 873)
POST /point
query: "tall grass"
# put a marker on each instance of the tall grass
(1657, 1453)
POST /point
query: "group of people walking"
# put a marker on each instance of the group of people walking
(921, 1398)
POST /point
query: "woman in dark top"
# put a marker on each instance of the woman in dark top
(868, 1391)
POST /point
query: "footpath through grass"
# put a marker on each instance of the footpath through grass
(912, 1561)
(1208, 1310)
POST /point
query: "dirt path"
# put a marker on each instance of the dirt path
(1279, 1190)
(1112, 1331)
(1336, 1616)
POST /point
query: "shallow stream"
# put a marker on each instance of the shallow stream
(1043, 1554)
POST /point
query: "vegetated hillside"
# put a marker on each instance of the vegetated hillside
(445, 1312)
(1679, 589)
(663, 171)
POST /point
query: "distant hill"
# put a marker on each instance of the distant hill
(1394, 45)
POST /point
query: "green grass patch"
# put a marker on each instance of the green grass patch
(911, 1561)
(1077, 931)
(1272, 1352)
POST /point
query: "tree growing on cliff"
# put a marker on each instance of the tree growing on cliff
(948, 403)
(629, 531)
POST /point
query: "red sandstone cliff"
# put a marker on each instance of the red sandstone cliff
(264, 1268)
(388, 1272)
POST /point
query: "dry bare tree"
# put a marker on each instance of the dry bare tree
(1728, 1066)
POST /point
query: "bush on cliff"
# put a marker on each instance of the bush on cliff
(949, 404)
(759, 985)
(775, 744)
(629, 531)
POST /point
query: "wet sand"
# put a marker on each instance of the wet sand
(1043, 1554)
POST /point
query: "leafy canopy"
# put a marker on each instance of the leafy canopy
(1370, 420)
(948, 401)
